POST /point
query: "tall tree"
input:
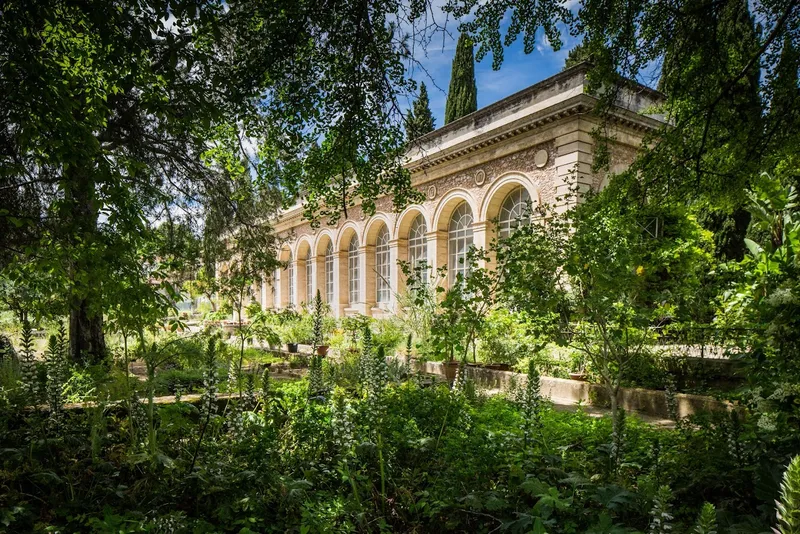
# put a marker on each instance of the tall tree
(462, 97)
(118, 115)
(420, 119)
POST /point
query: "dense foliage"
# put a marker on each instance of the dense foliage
(378, 453)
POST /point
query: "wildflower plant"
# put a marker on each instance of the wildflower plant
(208, 400)
(707, 522)
(660, 515)
(57, 372)
(27, 361)
(789, 502)
(532, 403)
(316, 384)
(342, 415)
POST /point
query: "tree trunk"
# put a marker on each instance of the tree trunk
(87, 341)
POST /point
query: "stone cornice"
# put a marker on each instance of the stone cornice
(576, 106)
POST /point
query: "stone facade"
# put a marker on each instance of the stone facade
(537, 144)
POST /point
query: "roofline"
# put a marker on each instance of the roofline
(583, 67)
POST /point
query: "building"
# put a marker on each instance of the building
(532, 146)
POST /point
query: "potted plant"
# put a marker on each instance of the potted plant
(578, 367)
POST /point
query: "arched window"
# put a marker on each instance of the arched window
(417, 244)
(513, 211)
(382, 267)
(329, 273)
(353, 278)
(290, 274)
(459, 239)
(309, 278)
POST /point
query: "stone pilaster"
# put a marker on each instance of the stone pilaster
(368, 278)
(574, 167)
(398, 251)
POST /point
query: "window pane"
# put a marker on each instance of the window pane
(290, 274)
(329, 273)
(382, 267)
(459, 237)
(309, 278)
(417, 244)
(513, 211)
(352, 270)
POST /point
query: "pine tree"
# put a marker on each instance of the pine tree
(462, 97)
(420, 119)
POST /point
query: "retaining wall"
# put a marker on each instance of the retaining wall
(563, 391)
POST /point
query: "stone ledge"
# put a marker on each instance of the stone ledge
(646, 401)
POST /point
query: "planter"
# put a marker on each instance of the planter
(499, 366)
(322, 350)
(450, 369)
(291, 347)
(578, 375)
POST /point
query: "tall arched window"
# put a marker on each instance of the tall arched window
(329, 273)
(383, 282)
(353, 278)
(459, 239)
(290, 284)
(512, 212)
(417, 244)
(309, 277)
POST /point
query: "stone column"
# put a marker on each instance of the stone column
(398, 251)
(320, 281)
(300, 282)
(437, 252)
(480, 235)
(368, 278)
(263, 294)
(276, 284)
(573, 164)
(342, 291)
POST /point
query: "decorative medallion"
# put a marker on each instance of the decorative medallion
(480, 178)
(540, 158)
(363, 216)
(432, 192)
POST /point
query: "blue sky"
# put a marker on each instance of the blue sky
(518, 71)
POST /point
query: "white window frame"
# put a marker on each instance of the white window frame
(513, 211)
(290, 284)
(383, 281)
(353, 272)
(418, 244)
(309, 277)
(459, 240)
(329, 294)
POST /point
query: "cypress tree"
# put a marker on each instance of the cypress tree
(785, 100)
(420, 119)
(462, 98)
(696, 65)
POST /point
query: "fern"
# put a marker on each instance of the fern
(707, 522)
(789, 503)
